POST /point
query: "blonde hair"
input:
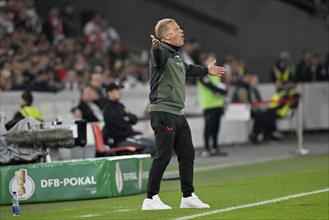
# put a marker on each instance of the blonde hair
(161, 27)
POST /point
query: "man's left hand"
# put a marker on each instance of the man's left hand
(215, 70)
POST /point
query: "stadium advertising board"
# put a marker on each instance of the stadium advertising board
(75, 180)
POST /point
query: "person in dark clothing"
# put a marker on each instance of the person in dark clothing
(257, 112)
(167, 96)
(118, 130)
(247, 92)
(97, 83)
(318, 71)
(70, 21)
(303, 70)
(87, 109)
(53, 27)
(41, 82)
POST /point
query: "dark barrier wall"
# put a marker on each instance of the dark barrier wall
(254, 30)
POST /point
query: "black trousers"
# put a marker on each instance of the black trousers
(259, 121)
(264, 122)
(172, 132)
(212, 122)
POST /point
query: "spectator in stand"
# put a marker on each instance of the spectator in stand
(187, 51)
(318, 71)
(97, 83)
(7, 25)
(53, 27)
(70, 21)
(196, 53)
(246, 92)
(108, 34)
(5, 80)
(255, 94)
(32, 21)
(118, 130)
(19, 83)
(303, 71)
(92, 32)
(228, 66)
(283, 70)
(242, 89)
(60, 69)
(128, 75)
(87, 109)
(236, 69)
(117, 55)
(191, 55)
(257, 112)
(27, 110)
(41, 82)
(12, 9)
(71, 81)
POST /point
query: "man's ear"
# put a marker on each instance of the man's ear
(166, 36)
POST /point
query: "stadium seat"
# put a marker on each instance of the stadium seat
(104, 150)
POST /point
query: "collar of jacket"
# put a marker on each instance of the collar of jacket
(170, 47)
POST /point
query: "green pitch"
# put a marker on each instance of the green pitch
(221, 188)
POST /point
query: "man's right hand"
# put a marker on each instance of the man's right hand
(155, 42)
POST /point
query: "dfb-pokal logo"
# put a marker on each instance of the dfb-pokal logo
(22, 184)
(118, 177)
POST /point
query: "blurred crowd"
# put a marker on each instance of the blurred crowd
(51, 54)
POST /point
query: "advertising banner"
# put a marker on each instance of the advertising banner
(124, 176)
(75, 179)
(144, 164)
(57, 181)
(129, 174)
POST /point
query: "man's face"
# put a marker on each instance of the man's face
(174, 34)
(114, 95)
(97, 80)
(89, 94)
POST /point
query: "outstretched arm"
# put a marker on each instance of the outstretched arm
(212, 69)
(215, 70)
(157, 54)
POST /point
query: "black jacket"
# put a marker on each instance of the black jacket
(118, 123)
(86, 111)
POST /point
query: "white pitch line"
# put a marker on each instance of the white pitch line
(88, 216)
(252, 204)
(117, 209)
(123, 210)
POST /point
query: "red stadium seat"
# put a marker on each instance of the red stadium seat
(106, 150)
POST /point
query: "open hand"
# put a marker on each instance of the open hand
(215, 70)
(155, 42)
